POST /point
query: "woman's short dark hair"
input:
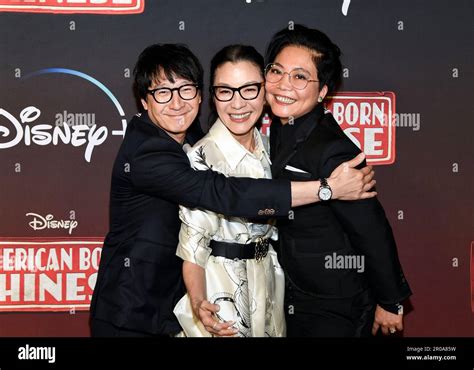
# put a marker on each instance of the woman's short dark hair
(174, 60)
(233, 54)
(326, 54)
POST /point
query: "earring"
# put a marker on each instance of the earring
(320, 99)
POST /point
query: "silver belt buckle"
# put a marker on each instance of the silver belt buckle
(261, 248)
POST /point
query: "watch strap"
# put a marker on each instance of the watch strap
(396, 309)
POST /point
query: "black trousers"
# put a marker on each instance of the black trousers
(312, 316)
(100, 328)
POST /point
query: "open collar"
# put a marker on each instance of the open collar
(231, 149)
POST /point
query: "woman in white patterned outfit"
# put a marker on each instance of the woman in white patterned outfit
(231, 272)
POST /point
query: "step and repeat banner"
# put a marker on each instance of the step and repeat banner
(66, 96)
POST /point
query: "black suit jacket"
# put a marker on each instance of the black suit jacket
(317, 145)
(139, 279)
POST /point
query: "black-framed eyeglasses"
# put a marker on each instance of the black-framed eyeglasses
(299, 78)
(247, 92)
(163, 95)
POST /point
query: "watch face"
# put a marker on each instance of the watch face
(400, 309)
(325, 194)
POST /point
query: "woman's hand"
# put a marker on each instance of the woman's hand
(205, 311)
(349, 183)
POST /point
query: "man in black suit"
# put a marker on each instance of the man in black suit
(139, 279)
(343, 274)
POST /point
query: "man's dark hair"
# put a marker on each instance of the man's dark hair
(174, 60)
(326, 55)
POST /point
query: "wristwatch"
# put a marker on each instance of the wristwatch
(325, 192)
(396, 308)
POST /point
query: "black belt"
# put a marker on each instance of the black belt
(257, 250)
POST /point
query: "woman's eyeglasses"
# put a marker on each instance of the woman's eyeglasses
(299, 78)
(247, 92)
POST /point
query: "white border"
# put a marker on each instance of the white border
(4, 307)
(390, 125)
(46, 306)
(70, 8)
(59, 243)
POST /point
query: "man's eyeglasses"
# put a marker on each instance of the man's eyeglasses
(163, 95)
(247, 92)
(299, 78)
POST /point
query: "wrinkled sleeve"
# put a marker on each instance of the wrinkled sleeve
(197, 229)
(160, 168)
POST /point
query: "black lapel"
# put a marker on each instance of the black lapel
(274, 137)
(194, 133)
(283, 157)
(303, 126)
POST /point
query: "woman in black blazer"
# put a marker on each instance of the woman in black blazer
(343, 275)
